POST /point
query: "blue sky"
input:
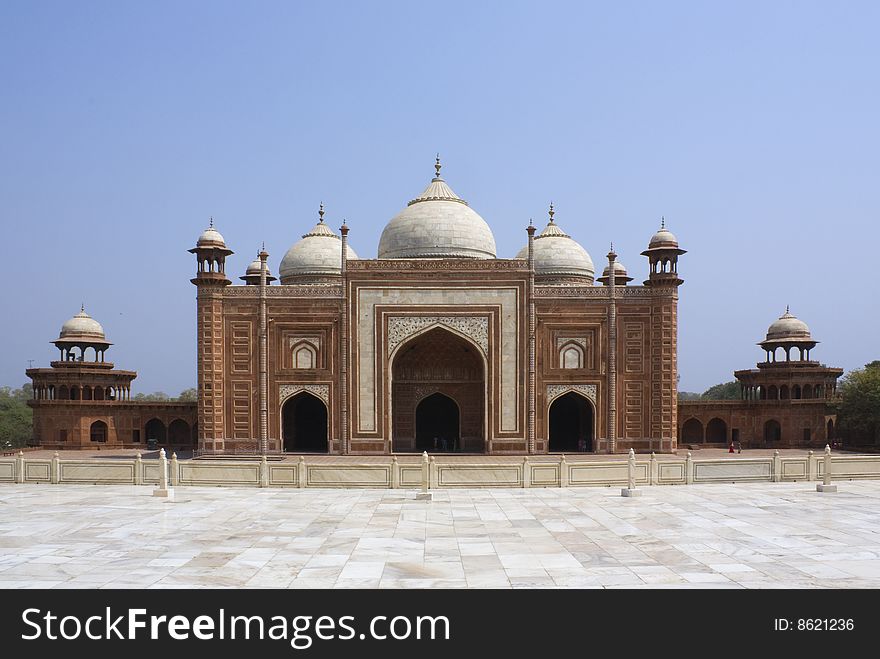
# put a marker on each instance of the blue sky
(752, 126)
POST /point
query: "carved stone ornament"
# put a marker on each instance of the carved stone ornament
(562, 340)
(313, 340)
(290, 291)
(401, 328)
(556, 390)
(322, 391)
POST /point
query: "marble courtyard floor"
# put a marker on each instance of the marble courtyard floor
(775, 535)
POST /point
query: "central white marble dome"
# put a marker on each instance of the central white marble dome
(437, 224)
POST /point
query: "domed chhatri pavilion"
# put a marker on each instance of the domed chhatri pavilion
(437, 344)
(82, 401)
(784, 402)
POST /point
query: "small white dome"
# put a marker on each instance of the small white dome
(319, 253)
(619, 269)
(82, 325)
(558, 254)
(663, 238)
(788, 328)
(437, 224)
(211, 237)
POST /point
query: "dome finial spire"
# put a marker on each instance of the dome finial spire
(82, 307)
(321, 213)
(786, 309)
(437, 166)
(662, 221)
(211, 222)
(551, 212)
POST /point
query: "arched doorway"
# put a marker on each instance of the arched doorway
(178, 433)
(692, 432)
(829, 430)
(304, 424)
(437, 424)
(98, 432)
(155, 429)
(772, 431)
(716, 431)
(438, 361)
(570, 424)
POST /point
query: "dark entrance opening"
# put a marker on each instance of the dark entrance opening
(772, 431)
(98, 432)
(437, 424)
(304, 423)
(571, 424)
(155, 430)
(178, 433)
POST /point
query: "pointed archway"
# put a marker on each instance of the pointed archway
(571, 424)
(304, 424)
(437, 424)
(438, 362)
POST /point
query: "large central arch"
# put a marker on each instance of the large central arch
(438, 361)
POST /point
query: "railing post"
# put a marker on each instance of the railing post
(175, 470)
(163, 490)
(777, 467)
(811, 474)
(425, 495)
(55, 472)
(825, 485)
(19, 467)
(138, 470)
(526, 472)
(563, 472)
(264, 471)
(689, 469)
(630, 489)
(301, 472)
(652, 470)
(395, 473)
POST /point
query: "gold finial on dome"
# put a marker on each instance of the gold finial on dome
(437, 167)
(551, 212)
(321, 213)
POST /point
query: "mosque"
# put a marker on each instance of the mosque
(436, 344)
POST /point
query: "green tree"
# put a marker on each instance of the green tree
(16, 418)
(156, 395)
(688, 395)
(724, 391)
(190, 395)
(858, 415)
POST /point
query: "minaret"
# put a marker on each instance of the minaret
(264, 356)
(612, 354)
(210, 280)
(344, 439)
(663, 282)
(531, 292)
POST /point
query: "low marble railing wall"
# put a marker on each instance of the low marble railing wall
(346, 472)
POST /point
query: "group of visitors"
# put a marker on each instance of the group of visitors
(444, 445)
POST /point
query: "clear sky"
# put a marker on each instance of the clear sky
(752, 126)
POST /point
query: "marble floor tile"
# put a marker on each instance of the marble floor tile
(779, 535)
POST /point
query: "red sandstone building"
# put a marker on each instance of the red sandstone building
(435, 345)
(785, 402)
(82, 401)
